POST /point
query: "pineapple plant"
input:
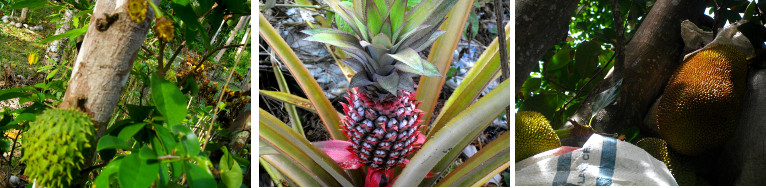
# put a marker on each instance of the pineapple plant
(382, 119)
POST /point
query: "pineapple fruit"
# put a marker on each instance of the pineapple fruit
(382, 119)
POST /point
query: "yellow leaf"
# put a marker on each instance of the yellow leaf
(33, 58)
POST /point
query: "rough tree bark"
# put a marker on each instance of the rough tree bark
(651, 57)
(539, 26)
(104, 62)
(243, 21)
(24, 15)
(741, 161)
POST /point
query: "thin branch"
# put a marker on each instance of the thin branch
(147, 51)
(220, 97)
(175, 54)
(194, 69)
(168, 157)
(577, 93)
(215, 5)
(161, 69)
(620, 37)
(219, 48)
(503, 53)
(87, 170)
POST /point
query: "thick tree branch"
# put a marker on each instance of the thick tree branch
(539, 26)
(650, 58)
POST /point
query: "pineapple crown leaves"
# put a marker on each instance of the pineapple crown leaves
(386, 40)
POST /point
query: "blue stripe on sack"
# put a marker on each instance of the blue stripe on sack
(562, 170)
(608, 156)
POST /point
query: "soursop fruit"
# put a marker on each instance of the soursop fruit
(54, 146)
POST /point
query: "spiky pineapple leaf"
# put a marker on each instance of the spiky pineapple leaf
(341, 40)
(422, 45)
(411, 62)
(348, 15)
(389, 82)
(377, 52)
(398, 9)
(410, 39)
(383, 40)
(354, 64)
(360, 79)
(374, 18)
(427, 12)
(324, 30)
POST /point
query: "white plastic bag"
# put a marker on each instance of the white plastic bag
(601, 161)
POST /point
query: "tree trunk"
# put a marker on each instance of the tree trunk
(24, 15)
(53, 48)
(741, 161)
(240, 130)
(243, 21)
(103, 64)
(651, 57)
(245, 40)
(539, 26)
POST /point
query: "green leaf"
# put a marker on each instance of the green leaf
(189, 139)
(481, 166)
(28, 3)
(52, 74)
(11, 95)
(374, 21)
(398, 9)
(427, 12)
(198, 176)
(390, 82)
(559, 60)
(127, 132)
(164, 135)
(147, 153)
(231, 173)
(105, 177)
(184, 10)
(414, 63)
(382, 40)
(139, 113)
(138, 173)
(314, 93)
(455, 135)
(68, 34)
(341, 40)
(190, 86)
(299, 151)
(169, 100)
(586, 58)
(111, 142)
(26, 117)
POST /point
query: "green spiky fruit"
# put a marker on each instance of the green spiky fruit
(54, 146)
(678, 164)
(534, 135)
(700, 106)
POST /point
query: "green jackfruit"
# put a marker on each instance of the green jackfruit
(534, 135)
(702, 101)
(54, 146)
(679, 165)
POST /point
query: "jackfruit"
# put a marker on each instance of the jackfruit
(701, 103)
(54, 146)
(534, 135)
(679, 165)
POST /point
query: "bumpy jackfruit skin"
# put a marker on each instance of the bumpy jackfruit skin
(702, 101)
(54, 145)
(678, 164)
(534, 135)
